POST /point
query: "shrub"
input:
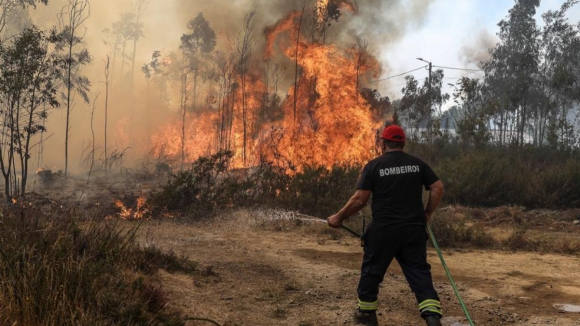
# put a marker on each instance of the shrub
(58, 272)
(453, 231)
(534, 178)
(201, 189)
(319, 191)
(518, 241)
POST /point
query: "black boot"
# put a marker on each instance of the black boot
(368, 318)
(433, 320)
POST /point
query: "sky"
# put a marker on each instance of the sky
(451, 28)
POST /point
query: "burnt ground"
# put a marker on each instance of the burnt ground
(258, 272)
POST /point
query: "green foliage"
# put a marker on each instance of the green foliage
(28, 70)
(58, 272)
(530, 86)
(202, 38)
(208, 188)
(319, 191)
(420, 104)
(202, 189)
(496, 176)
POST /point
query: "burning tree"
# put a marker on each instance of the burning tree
(195, 46)
(326, 117)
(332, 125)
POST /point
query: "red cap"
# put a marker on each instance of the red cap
(394, 133)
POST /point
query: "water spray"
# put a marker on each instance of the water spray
(304, 217)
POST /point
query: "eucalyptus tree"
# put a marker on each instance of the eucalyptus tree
(8, 8)
(472, 118)
(510, 73)
(531, 79)
(559, 78)
(420, 103)
(138, 10)
(152, 70)
(127, 29)
(195, 49)
(244, 48)
(29, 70)
(72, 30)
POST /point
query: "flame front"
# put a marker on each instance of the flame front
(326, 119)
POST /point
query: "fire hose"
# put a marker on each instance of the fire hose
(463, 306)
(447, 272)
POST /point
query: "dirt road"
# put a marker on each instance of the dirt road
(255, 272)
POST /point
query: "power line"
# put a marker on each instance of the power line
(399, 75)
(391, 87)
(410, 71)
(466, 69)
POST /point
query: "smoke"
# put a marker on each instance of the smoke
(380, 22)
(477, 51)
(383, 23)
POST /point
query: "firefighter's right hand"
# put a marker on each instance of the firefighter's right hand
(334, 221)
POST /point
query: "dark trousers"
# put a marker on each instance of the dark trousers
(408, 245)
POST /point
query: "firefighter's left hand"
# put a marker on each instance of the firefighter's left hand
(334, 221)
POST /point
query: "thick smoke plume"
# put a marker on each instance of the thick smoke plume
(381, 23)
(478, 50)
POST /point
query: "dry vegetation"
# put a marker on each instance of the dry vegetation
(68, 258)
(59, 269)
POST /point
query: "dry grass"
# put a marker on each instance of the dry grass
(55, 272)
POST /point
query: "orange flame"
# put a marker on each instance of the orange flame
(323, 5)
(326, 119)
(139, 212)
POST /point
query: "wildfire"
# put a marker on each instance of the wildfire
(139, 212)
(336, 124)
(326, 119)
(322, 8)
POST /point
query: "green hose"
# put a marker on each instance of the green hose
(449, 276)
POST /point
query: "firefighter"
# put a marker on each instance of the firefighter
(398, 228)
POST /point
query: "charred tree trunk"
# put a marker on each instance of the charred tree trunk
(107, 82)
(296, 66)
(93, 139)
(78, 13)
(183, 116)
(245, 49)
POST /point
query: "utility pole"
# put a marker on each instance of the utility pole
(430, 94)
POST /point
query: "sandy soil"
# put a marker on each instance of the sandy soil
(256, 272)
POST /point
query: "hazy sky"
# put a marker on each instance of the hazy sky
(450, 27)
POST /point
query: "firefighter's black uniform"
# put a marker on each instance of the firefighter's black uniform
(397, 229)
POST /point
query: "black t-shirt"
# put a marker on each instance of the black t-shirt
(396, 180)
